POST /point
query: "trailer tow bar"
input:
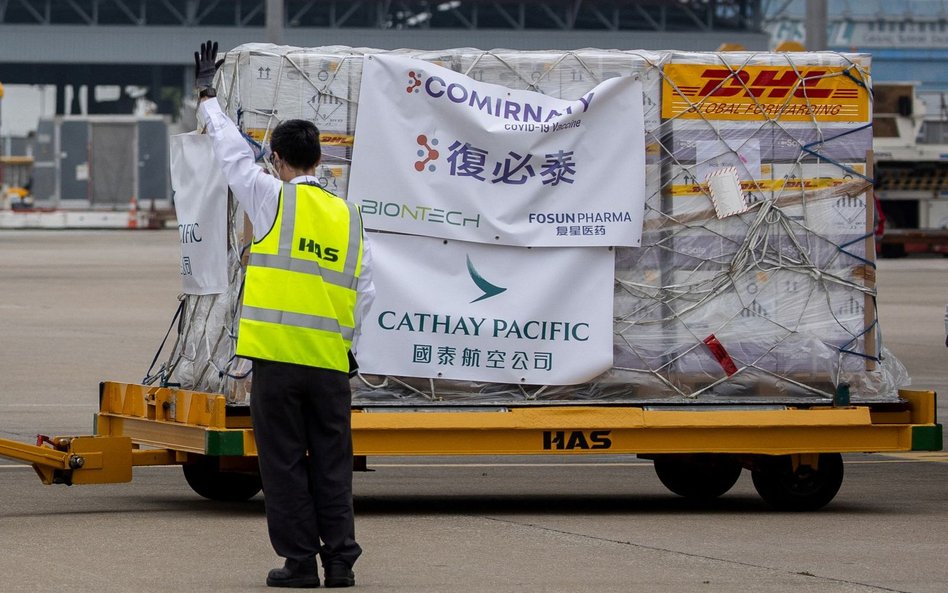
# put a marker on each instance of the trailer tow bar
(75, 460)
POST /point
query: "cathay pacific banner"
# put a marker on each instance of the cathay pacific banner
(459, 310)
(440, 154)
(200, 203)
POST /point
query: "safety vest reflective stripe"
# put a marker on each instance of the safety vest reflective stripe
(289, 220)
(297, 320)
(292, 264)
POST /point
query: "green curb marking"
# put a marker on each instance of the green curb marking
(224, 442)
(927, 438)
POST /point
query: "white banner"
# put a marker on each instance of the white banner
(200, 203)
(459, 310)
(440, 154)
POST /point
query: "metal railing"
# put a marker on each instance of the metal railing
(612, 15)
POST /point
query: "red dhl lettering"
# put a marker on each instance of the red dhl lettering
(336, 139)
(830, 93)
(722, 82)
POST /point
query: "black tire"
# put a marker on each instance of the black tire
(806, 489)
(698, 477)
(205, 477)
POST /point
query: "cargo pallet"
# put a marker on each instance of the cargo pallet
(794, 453)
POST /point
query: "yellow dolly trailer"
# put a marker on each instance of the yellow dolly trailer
(794, 454)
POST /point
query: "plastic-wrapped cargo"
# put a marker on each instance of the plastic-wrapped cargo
(788, 293)
(773, 304)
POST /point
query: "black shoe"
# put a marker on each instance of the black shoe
(338, 574)
(294, 575)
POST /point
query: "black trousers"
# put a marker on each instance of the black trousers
(303, 430)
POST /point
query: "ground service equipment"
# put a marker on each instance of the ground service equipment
(911, 154)
(794, 454)
(740, 334)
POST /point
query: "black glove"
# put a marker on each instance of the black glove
(353, 365)
(205, 66)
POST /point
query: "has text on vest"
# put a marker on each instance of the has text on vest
(329, 254)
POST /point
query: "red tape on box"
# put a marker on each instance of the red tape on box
(720, 354)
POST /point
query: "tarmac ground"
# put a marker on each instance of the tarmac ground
(79, 307)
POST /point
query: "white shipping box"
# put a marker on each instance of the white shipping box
(309, 85)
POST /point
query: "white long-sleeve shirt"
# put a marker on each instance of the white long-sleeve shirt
(259, 193)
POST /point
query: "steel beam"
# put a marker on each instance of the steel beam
(648, 18)
(294, 20)
(507, 17)
(175, 12)
(124, 9)
(79, 11)
(207, 11)
(348, 13)
(40, 18)
(564, 15)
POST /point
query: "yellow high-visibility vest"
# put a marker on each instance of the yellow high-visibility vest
(300, 286)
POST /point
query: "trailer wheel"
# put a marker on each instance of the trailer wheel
(800, 488)
(698, 477)
(206, 478)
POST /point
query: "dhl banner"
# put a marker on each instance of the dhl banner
(801, 93)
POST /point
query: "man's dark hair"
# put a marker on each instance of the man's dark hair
(297, 143)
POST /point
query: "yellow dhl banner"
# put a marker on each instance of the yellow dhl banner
(807, 93)
(325, 139)
(760, 186)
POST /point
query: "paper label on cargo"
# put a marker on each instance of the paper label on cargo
(200, 203)
(489, 313)
(440, 154)
(724, 185)
(333, 178)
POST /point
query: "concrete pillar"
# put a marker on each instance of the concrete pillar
(275, 19)
(816, 16)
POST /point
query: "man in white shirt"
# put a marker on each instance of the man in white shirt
(309, 242)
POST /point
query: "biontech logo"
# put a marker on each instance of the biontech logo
(830, 93)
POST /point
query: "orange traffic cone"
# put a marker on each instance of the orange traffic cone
(133, 213)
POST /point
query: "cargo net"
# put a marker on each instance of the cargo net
(770, 298)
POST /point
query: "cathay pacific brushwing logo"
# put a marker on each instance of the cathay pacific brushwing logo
(489, 289)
